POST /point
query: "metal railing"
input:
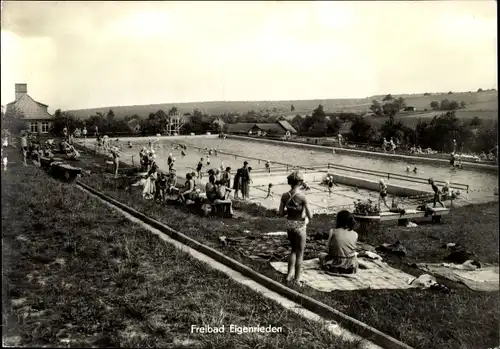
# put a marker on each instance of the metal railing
(394, 176)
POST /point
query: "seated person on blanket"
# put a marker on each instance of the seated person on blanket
(188, 192)
(341, 257)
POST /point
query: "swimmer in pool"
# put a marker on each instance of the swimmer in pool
(407, 168)
(208, 160)
(383, 194)
(452, 160)
(415, 170)
(268, 166)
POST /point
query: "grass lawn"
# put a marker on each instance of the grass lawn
(420, 318)
(78, 274)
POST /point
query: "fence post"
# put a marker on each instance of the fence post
(388, 176)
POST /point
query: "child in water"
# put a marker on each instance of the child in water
(268, 166)
(415, 170)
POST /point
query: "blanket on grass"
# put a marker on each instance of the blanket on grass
(482, 279)
(374, 275)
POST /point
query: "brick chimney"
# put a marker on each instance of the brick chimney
(21, 89)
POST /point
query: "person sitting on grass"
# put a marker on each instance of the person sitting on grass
(210, 189)
(437, 193)
(383, 194)
(149, 183)
(188, 191)
(172, 182)
(295, 207)
(341, 256)
(161, 187)
(222, 196)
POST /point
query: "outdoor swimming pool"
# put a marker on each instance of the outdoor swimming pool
(304, 157)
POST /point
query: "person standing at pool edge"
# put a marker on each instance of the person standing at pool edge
(295, 207)
(437, 193)
(245, 180)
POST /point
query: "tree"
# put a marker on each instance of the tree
(450, 93)
(434, 105)
(475, 122)
(12, 121)
(319, 115)
(173, 111)
(427, 94)
(454, 105)
(376, 108)
(390, 109)
(362, 130)
(462, 105)
(387, 98)
(445, 104)
(292, 108)
(479, 90)
(400, 103)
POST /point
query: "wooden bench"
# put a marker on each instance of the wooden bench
(404, 218)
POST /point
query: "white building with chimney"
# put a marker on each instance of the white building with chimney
(38, 120)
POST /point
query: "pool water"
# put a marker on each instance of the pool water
(297, 156)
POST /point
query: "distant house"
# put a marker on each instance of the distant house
(135, 125)
(38, 120)
(240, 128)
(410, 109)
(280, 127)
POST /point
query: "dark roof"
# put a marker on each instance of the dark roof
(241, 127)
(286, 125)
(271, 127)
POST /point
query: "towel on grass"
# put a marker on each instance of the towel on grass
(377, 275)
(482, 279)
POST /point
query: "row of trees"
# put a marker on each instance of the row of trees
(437, 133)
(390, 106)
(446, 104)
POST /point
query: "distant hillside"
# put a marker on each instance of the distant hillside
(486, 101)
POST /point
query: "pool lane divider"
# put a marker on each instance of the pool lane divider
(307, 302)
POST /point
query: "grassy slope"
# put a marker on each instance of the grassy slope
(423, 319)
(475, 101)
(75, 269)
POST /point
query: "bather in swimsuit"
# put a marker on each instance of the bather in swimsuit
(294, 226)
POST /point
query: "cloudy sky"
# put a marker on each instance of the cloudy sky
(90, 54)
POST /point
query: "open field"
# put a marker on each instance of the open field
(475, 101)
(488, 118)
(78, 274)
(421, 318)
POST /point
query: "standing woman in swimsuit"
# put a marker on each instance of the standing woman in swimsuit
(295, 207)
(383, 194)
